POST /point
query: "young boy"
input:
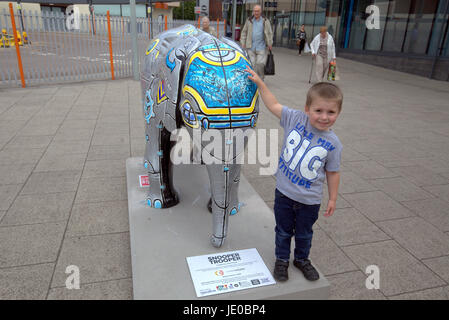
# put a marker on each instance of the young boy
(311, 151)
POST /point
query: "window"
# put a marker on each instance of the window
(358, 26)
(419, 26)
(396, 25)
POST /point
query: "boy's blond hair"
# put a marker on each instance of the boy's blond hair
(325, 90)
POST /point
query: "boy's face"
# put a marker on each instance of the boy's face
(322, 113)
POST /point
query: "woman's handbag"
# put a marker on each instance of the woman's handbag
(298, 42)
(269, 66)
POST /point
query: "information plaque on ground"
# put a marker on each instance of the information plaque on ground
(228, 271)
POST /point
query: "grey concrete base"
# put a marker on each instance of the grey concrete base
(161, 239)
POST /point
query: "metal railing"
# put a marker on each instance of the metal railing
(60, 51)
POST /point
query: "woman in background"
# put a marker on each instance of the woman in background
(301, 38)
(323, 51)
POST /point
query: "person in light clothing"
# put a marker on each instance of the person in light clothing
(256, 37)
(205, 26)
(323, 51)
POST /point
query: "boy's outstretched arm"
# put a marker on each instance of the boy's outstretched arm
(268, 98)
(333, 180)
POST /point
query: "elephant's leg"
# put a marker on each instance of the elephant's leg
(224, 180)
(157, 161)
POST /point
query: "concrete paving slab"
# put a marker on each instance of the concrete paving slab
(101, 189)
(341, 201)
(15, 173)
(107, 290)
(111, 152)
(351, 155)
(61, 162)
(377, 206)
(20, 113)
(401, 189)
(98, 218)
(104, 168)
(21, 156)
(351, 286)
(432, 210)
(52, 182)
(369, 169)
(39, 130)
(105, 139)
(350, 182)
(30, 244)
(416, 235)
(57, 148)
(83, 114)
(22, 142)
(327, 256)
(52, 111)
(69, 135)
(348, 227)
(440, 293)
(72, 124)
(99, 258)
(8, 126)
(420, 176)
(39, 208)
(439, 265)
(7, 195)
(440, 191)
(399, 271)
(25, 283)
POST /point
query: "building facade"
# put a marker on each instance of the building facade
(406, 35)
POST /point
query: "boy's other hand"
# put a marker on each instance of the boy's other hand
(331, 204)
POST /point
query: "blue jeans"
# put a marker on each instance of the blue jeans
(293, 219)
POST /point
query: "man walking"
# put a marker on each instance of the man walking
(256, 36)
(205, 26)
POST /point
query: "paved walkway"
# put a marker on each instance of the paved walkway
(63, 197)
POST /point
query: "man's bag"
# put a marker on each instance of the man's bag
(269, 66)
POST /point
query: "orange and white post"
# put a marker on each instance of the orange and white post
(166, 27)
(110, 45)
(19, 58)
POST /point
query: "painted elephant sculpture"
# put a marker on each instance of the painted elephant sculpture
(192, 79)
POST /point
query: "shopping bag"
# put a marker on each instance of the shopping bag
(307, 48)
(269, 66)
(332, 71)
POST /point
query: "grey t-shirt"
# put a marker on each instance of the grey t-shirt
(306, 154)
